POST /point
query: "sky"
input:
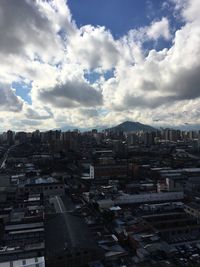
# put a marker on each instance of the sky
(92, 63)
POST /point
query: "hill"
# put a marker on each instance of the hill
(130, 126)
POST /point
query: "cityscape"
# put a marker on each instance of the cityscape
(100, 199)
(99, 133)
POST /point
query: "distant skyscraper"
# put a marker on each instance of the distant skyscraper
(10, 137)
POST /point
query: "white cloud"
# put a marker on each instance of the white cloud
(93, 47)
(190, 10)
(40, 44)
(159, 29)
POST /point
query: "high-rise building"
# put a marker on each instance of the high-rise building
(10, 137)
(132, 139)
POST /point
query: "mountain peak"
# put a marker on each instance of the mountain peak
(131, 126)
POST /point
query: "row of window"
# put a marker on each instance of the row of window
(40, 189)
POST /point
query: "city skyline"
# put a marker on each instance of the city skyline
(75, 64)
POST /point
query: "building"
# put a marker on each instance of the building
(136, 199)
(68, 239)
(102, 172)
(45, 186)
(132, 139)
(174, 227)
(10, 137)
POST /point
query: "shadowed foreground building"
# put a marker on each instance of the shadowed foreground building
(69, 242)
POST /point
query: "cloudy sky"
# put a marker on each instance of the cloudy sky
(99, 62)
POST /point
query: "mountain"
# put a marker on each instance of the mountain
(130, 126)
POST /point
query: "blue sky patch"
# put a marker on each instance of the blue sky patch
(23, 90)
(94, 76)
(120, 16)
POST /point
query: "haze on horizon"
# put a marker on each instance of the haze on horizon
(94, 63)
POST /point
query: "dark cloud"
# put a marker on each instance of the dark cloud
(89, 112)
(8, 100)
(184, 85)
(146, 102)
(35, 115)
(72, 94)
(23, 27)
(149, 86)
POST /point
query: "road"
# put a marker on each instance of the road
(3, 160)
(58, 204)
